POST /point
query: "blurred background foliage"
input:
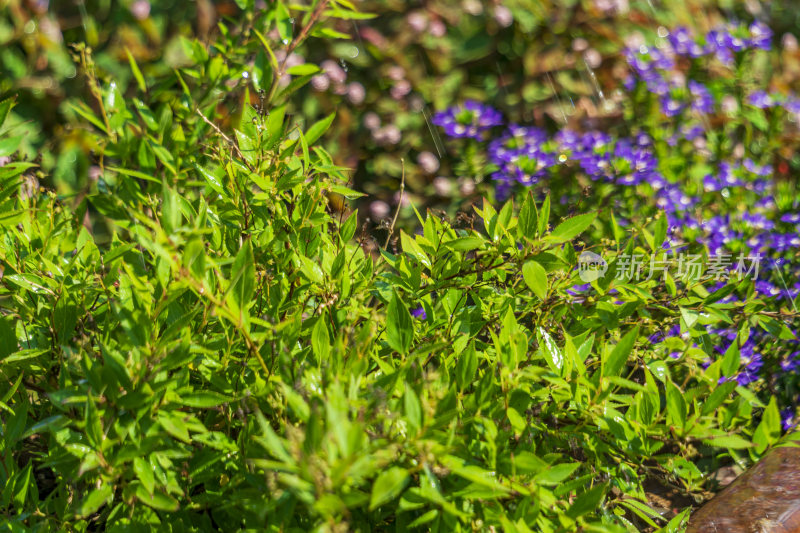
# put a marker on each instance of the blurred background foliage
(541, 62)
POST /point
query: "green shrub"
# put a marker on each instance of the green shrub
(201, 342)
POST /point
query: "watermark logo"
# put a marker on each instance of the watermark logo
(591, 266)
(686, 267)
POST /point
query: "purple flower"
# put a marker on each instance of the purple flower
(751, 166)
(644, 60)
(791, 363)
(765, 203)
(682, 41)
(659, 336)
(577, 289)
(766, 288)
(760, 36)
(702, 101)
(419, 313)
(760, 99)
(468, 120)
(746, 377)
(792, 104)
(711, 183)
(688, 132)
(517, 141)
(787, 418)
(758, 221)
(727, 39)
(670, 106)
(673, 199)
(525, 169)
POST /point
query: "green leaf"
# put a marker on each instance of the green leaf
(284, 21)
(676, 406)
(553, 475)
(731, 360)
(348, 193)
(65, 318)
(270, 441)
(660, 233)
(211, 180)
(348, 228)
(518, 423)
(616, 360)
(733, 442)
(9, 145)
(388, 486)
(134, 173)
(399, 325)
(11, 218)
(174, 425)
(413, 409)
(95, 500)
(320, 338)
(5, 109)
(92, 423)
(642, 510)
(304, 69)
(466, 367)
(8, 339)
(677, 523)
(769, 429)
(203, 399)
(18, 487)
(144, 471)
(136, 72)
(689, 317)
(319, 128)
(22, 355)
(465, 244)
(536, 278)
(243, 275)
(587, 502)
(474, 473)
(571, 228)
(348, 15)
(170, 211)
(274, 126)
(411, 247)
(330, 33)
(528, 220)
(86, 112)
(551, 351)
(157, 500)
(544, 216)
(717, 396)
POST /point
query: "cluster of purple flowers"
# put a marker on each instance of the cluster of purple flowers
(750, 356)
(658, 67)
(687, 132)
(469, 120)
(762, 229)
(525, 155)
(522, 156)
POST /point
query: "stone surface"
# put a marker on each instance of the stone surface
(765, 499)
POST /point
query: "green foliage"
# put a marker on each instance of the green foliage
(199, 341)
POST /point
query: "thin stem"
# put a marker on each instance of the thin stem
(399, 203)
(227, 139)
